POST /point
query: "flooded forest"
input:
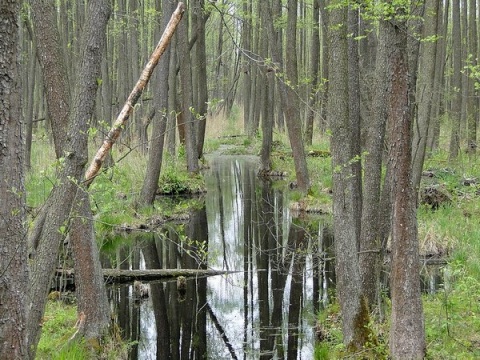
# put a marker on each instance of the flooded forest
(275, 179)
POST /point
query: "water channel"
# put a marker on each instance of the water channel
(264, 309)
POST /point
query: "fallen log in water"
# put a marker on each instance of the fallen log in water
(116, 276)
(121, 276)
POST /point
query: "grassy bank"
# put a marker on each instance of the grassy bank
(58, 327)
(452, 314)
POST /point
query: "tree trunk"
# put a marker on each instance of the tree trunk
(472, 99)
(407, 336)
(424, 92)
(439, 81)
(267, 123)
(325, 52)
(13, 261)
(58, 207)
(354, 115)
(375, 124)
(266, 99)
(314, 68)
(292, 110)
(134, 64)
(277, 15)
(29, 89)
(456, 82)
(90, 289)
(201, 75)
(91, 293)
(155, 155)
(55, 78)
(187, 99)
(353, 307)
(172, 100)
(247, 69)
(464, 74)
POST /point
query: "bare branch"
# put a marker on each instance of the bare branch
(127, 109)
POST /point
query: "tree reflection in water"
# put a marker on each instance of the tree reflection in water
(263, 311)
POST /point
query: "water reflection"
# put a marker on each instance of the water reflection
(265, 310)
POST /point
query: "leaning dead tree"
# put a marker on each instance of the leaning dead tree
(127, 109)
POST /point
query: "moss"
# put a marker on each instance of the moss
(363, 333)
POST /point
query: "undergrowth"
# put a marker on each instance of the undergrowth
(57, 328)
(452, 311)
(452, 314)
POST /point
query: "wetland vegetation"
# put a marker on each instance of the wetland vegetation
(448, 232)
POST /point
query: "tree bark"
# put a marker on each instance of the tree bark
(370, 245)
(314, 68)
(267, 124)
(59, 205)
(201, 75)
(292, 111)
(90, 289)
(29, 92)
(266, 101)
(353, 306)
(91, 293)
(55, 76)
(472, 99)
(424, 91)
(456, 82)
(407, 336)
(439, 82)
(155, 155)
(324, 44)
(13, 245)
(354, 115)
(247, 69)
(187, 99)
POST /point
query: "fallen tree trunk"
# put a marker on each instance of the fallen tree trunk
(116, 276)
(127, 109)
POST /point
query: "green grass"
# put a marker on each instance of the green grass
(59, 325)
(452, 317)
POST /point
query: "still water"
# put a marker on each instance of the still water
(264, 309)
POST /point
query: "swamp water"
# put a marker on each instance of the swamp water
(264, 308)
(280, 275)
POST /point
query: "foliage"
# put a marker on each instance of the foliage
(59, 326)
(330, 338)
(42, 175)
(452, 316)
(174, 181)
